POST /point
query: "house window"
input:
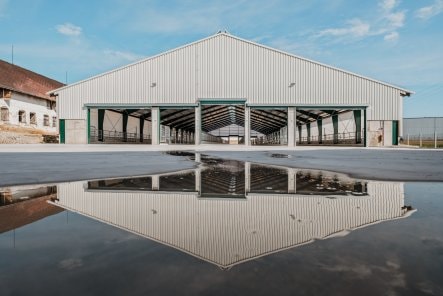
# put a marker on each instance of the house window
(46, 120)
(22, 116)
(54, 121)
(5, 93)
(32, 118)
(4, 114)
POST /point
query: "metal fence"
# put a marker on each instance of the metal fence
(423, 140)
(115, 137)
(425, 132)
(348, 138)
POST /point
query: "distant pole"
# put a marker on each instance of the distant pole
(435, 133)
(408, 139)
(420, 139)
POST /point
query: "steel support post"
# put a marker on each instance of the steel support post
(247, 126)
(198, 128)
(247, 177)
(155, 182)
(155, 120)
(292, 185)
(101, 119)
(291, 126)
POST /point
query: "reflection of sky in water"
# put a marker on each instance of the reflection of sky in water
(70, 254)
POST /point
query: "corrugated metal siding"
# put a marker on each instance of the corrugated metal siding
(226, 232)
(226, 67)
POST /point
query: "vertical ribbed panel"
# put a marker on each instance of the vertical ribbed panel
(224, 66)
(226, 232)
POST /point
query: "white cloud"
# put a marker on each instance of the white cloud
(355, 28)
(427, 12)
(122, 55)
(393, 36)
(71, 263)
(388, 4)
(69, 29)
(397, 19)
(81, 59)
(385, 23)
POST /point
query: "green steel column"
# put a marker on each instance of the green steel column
(89, 126)
(395, 132)
(357, 119)
(308, 129)
(125, 126)
(364, 129)
(142, 125)
(335, 125)
(101, 119)
(320, 130)
(61, 128)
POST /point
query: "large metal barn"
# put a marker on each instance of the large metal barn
(227, 90)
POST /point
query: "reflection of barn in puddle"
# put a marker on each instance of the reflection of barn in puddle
(209, 218)
(22, 205)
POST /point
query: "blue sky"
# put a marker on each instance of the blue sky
(400, 42)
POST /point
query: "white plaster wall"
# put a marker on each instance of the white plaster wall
(29, 104)
(75, 131)
(387, 133)
(380, 133)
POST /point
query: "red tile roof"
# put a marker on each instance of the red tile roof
(26, 212)
(21, 80)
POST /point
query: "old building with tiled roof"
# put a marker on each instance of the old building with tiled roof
(23, 98)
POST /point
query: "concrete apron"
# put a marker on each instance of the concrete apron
(202, 147)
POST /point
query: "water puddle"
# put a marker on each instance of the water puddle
(224, 212)
(279, 155)
(277, 201)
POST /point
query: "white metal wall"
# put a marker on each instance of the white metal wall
(224, 66)
(227, 232)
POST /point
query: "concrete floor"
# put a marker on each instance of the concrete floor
(49, 163)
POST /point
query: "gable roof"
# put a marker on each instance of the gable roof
(15, 78)
(405, 91)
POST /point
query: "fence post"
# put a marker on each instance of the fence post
(408, 139)
(435, 140)
(420, 139)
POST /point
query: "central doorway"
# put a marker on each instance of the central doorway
(223, 122)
